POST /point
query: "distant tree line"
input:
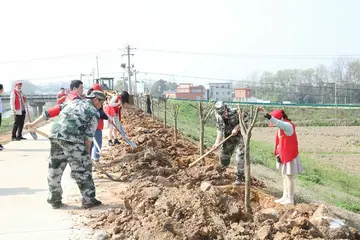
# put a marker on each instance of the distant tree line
(339, 83)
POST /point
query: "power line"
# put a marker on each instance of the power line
(264, 56)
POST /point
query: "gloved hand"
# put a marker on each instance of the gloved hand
(235, 131)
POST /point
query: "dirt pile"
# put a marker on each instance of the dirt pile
(166, 200)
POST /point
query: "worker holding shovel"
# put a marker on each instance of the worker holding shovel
(227, 123)
(71, 137)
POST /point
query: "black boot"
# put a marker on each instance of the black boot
(92, 203)
(110, 143)
(238, 179)
(55, 205)
(116, 141)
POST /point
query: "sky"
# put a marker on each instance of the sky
(68, 35)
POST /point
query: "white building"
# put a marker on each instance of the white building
(220, 91)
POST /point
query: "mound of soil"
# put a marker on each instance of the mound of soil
(167, 200)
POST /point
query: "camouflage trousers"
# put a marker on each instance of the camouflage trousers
(227, 150)
(74, 154)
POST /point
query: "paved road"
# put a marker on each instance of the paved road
(24, 212)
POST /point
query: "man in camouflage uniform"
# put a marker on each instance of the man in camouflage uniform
(71, 138)
(227, 123)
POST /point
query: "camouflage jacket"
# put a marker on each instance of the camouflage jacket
(226, 125)
(77, 121)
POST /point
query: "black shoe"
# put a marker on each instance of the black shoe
(15, 139)
(21, 138)
(92, 203)
(110, 143)
(116, 141)
(1, 147)
(238, 179)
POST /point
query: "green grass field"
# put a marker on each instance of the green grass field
(344, 187)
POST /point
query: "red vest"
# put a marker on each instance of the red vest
(55, 111)
(286, 146)
(17, 100)
(60, 95)
(110, 111)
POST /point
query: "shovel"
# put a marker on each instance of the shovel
(99, 168)
(121, 130)
(33, 134)
(200, 158)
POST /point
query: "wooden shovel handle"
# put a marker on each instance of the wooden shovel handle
(200, 158)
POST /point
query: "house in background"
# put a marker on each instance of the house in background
(187, 91)
(242, 94)
(220, 91)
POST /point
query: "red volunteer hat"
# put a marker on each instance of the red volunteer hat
(18, 83)
(97, 87)
(277, 113)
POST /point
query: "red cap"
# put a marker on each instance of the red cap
(96, 87)
(18, 83)
(277, 113)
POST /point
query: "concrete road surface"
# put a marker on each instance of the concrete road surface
(24, 212)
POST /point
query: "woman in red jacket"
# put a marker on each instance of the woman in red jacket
(286, 152)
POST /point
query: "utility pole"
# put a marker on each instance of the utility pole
(97, 66)
(135, 90)
(128, 49)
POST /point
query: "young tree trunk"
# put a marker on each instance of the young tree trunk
(158, 109)
(165, 113)
(175, 129)
(246, 129)
(201, 137)
(201, 120)
(247, 174)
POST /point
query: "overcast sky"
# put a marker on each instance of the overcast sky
(41, 29)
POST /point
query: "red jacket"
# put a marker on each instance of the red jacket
(17, 100)
(55, 111)
(286, 146)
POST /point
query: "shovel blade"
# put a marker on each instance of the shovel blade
(34, 135)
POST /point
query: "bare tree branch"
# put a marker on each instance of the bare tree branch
(209, 112)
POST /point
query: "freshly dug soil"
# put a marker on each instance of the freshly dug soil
(167, 200)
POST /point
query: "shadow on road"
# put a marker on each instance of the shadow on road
(19, 191)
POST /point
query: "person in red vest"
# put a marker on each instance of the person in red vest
(61, 97)
(17, 105)
(114, 111)
(98, 134)
(76, 92)
(286, 152)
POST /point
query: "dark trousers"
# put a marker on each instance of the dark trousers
(0, 118)
(18, 125)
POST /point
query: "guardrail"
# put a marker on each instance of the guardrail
(34, 97)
